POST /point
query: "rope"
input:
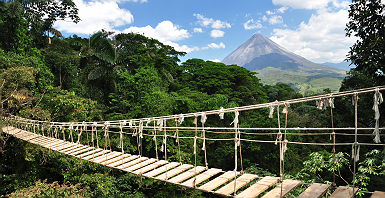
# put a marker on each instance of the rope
(236, 143)
(378, 99)
(156, 144)
(81, 131)
(177, 138)
(203, 120)
(165, 140)
(195, 148)
(71, 128)
(121, 124)
(285, 110)
(107, 139)
(355, 154)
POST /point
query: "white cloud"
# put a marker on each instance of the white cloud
(251, 24)
(275, 19)
(315, 4)
(320, 39)
(167, 33)
(269, 12)
(215, 60)
(281, 10)
(217, 33)
(135, 1)
(264, 18)
(199, 30)
(164, 31)
(214, 46)
(96, 15)
(216, 24)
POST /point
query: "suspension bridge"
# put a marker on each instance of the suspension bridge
(91, 141)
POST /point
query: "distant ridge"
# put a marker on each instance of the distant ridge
(276, 64)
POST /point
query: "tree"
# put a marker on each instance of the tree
(367, 22)
(14, 28)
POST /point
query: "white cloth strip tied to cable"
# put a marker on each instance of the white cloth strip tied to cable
(56, 132)
(71, 128)
(160, 128)
(81, 131)
(95, 129)
(323, 103)
(279, 134)
(141, 129)
(222, 113)
(195, 137)
(121, 124)
(203, 120)
(356, 151)
(106, 134)
(271, 112)
(378, 99)
(180, 118)
(235, 123)
(285, 109)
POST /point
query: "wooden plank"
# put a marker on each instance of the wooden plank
(106, 157)
(140, 165)
(94, 155)
(32, 137)
(21, 134)
(81, 147)
(259, 187)
(122, 161)
(287, 186)
(112, 160)
(225, 177)
(131, 163)
(37, 140)
(314, 190)
(27, 135)
(41, 141)
(173, 172)
(186, 175)
(81, 151)
(343, 192)
(76, 146)
(56, 144)
(162, 169)
(202, 177)
(150, 167)
(64, 146)
(378, 194)
(238, 183)
(88, 153)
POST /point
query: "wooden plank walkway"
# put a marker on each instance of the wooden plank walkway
(208, 180)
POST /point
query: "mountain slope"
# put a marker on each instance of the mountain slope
(274, 64)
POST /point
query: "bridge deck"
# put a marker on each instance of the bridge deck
(209, 180)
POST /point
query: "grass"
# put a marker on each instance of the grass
(304, 82)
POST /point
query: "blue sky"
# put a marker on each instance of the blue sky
(212, 29)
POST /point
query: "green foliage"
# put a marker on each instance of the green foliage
(14, 28)
(43, 189)
(370, 170)
(366, 21)
(66, 106)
